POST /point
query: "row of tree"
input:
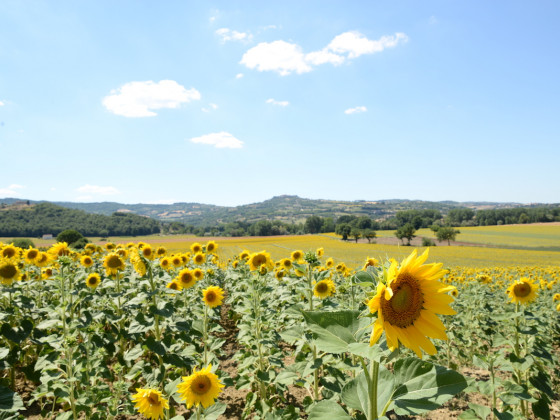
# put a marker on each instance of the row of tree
(47, 218)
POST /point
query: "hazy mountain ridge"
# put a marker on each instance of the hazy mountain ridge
(286, 208)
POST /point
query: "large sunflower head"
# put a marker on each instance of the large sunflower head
(199, 258)
(148, 252)
(202, 387)
(161, 251)
(42, 259)
(59, 249)
(177, 261)
(213, 296)
(186, 278)
(324, 288)
(286, 263)
(297, 255)
(138, 264)
(150, 403)
(244, 254)
(522, 291)
(407, 304)
(9, 271)
(198, 274)
(259, 259)
(113, 263)
(174, 285)
(10, 251)
(165, 263)
(93, 280)
(196, 248)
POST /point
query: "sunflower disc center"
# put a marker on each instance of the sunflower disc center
(406, 303)
(8, 271)
(402, 299)
(201, 385)
(522, 290)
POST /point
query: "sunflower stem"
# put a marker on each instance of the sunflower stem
(205, 335)
(373, 390)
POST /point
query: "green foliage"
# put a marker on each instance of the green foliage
(69, 236)
(428, 242)
(343, 229)
(23, 243)
(313, 224)
(447, 234)
(406, 232)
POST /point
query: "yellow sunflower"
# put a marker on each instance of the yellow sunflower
(408, 302)
(202, 387)
(42, 259)
(196, 248)
(522, 291)
(329, 263)
(165, 263)
(556, 297)
(454, 292)
(161, 251)
(198, 274)
(175, 285)
(286, 263)
(279, 274)
(213, 296)
(320, 252)
(46, 273)
(10, 251)
(90, 248)
(59, 249)
(86, 261)
(93, 280)
(324, 288)
(259, 259)
(147, 252)
(9, 271)
(138, 264)
(186, 278)
(31, 255)
(177, 261)
(371, 262)
(150, 403)
(113, 263)
(244, 254)
(211, 247)
(109, 246)
(296, 255)
(199, 258)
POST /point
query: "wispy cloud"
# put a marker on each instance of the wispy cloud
(239, 75)
(211, 107)
(2, 103)
(286, 58)
(227, 34)
(278, 103)
(221, 140)
(11, 190)
(97, 190)
(356, 110)
(139, 99)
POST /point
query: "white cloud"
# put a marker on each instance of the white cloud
(279, 56)
(139, 99)
(355, 44)
(239, 75)
(286, 58)
(324, 56)
(2, 103)
(15, 187)
(97, 190)
(275, 102)
(356, 110)
(84, 198)
(11, 190)
(219, 140)
(227, 34)
(211, 107)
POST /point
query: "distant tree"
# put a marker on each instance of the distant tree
(328, 225)
(369, 234)
(69, 236)
(22, 243)
(523, 218)
(343, 230)
(356, 234)
(428, 242)
(363, 222)
(406, 231)
(313, 224)
(447, 234)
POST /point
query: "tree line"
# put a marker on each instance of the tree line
(46, 218)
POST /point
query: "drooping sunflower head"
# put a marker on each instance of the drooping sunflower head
(42, 259)
(199, 258)
(211, 247)
(324, 288)
(9, 271)
(93, 280)
(122, 252)
(86, 261)
(46, 273)
(259, 259)
(244, 254)
(213, 296)
(150, 403)
(320, 252)
(297, 255)
(90, 248)
(196, 248)
(202, 387)
(186, 278)
(484, 278)
(113, 263)
(522, 291)
(454, 292)
(407, 304)
(279, 274)
(371, 262)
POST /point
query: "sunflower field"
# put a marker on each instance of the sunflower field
(138, 331)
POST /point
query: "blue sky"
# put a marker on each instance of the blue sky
(233, 102)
